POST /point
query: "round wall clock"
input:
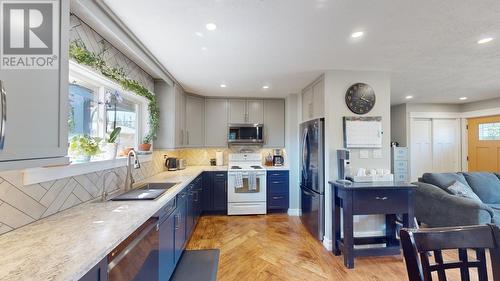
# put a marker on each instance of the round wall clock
(360, 98)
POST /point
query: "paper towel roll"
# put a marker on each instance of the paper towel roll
(219, 158)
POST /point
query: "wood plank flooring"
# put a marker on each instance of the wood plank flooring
(278, 247)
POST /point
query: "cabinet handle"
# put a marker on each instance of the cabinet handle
(277, 197)
(381, 198)
(182, 137)
(277, 182)
(187, 136)
(219, 175)
(3, 116)
(176, 221)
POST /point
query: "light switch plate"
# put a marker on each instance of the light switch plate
(377, 153)
(364, 154)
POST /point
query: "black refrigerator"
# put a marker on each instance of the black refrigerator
(312, 176)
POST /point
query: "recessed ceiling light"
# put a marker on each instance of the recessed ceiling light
(485, 40)
(211, 26)
(463, 98)
(265, 87)
(204, 48)
(409, 97)
(199, 34)
(357, 34)
(223, 85)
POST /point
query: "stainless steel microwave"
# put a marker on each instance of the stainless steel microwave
(245, 133)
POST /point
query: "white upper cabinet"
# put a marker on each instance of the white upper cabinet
(246, 111)
(274, 123)
(195, 127)
(255, 111)
(34, 100)
(180, 118)
(216, 111)
(237, 111)
(313, 100)
(319, 99)
(307, 104)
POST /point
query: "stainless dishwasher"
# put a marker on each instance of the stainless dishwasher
(137, 257)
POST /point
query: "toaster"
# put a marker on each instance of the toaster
(181, 164)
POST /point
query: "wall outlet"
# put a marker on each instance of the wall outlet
(364, 154)
(377, 154)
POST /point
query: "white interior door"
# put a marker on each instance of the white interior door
(421, 147)
(446, 145)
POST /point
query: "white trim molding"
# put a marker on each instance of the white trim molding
(43, 174)
(327, 243)
(295, 212)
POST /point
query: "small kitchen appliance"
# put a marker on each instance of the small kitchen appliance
(171, 163)
(343, 158)
(181, 164)
(278, 159)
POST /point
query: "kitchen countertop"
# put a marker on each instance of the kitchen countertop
(277, 168)
(67, 245)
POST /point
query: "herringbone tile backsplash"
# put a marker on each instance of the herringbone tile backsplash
(22, 204)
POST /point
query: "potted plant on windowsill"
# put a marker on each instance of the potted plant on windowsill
(146, 143)
(83, 147)
(111, 146)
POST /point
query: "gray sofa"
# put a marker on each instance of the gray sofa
(436, 207)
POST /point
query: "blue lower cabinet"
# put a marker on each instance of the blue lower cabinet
(98, 273)
(278, 193)
(167, 247)
(180, 225)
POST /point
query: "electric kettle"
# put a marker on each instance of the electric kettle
(171, 164)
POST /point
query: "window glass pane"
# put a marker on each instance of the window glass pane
(82, 112)
(122, 113)
(489, 131)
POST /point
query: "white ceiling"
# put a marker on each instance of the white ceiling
(429, 46)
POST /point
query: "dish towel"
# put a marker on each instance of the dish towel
(252, 180)
(238, 183)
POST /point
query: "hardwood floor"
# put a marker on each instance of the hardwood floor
(278, 247)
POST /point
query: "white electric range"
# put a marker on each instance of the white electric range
(246, 185)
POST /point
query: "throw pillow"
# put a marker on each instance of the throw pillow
(461, 190)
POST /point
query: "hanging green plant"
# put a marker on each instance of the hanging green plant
(79, 52)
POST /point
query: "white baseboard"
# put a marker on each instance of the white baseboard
(295, 212)
(327, 243)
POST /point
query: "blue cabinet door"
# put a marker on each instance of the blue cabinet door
(278, 186)
(190, 210)
(180, 225)
(220, 192)
(167, 247)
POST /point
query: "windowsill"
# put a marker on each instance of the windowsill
(43, 174)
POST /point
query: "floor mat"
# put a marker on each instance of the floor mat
(197, 265)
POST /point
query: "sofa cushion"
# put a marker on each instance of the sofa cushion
(485, 185)
(462, 190)
(443, 180)
(494, 206)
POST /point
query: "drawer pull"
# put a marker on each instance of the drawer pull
(277, 197)
(381, 198)
(278, 182)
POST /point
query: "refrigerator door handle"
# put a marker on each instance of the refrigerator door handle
(307, 193)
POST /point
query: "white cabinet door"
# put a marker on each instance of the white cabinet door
(216, 122)
(318, 99)
(255, 111)
(307, 104)
(446, 145)
(274, 123)
(195, 127)
(180, 117)
(237, 111)
(36, 100)
(421, 147)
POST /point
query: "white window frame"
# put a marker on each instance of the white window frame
(83, 73)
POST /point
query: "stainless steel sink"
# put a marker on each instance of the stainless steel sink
(148, 191)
